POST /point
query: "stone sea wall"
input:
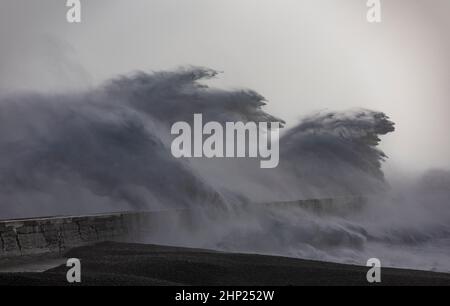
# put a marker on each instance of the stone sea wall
(55, 234)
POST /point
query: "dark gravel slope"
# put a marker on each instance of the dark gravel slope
(137, 264)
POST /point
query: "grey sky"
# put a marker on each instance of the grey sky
(302, 55)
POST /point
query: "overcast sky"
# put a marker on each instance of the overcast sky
(303, 55)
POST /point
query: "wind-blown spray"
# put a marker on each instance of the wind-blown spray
(108, 149)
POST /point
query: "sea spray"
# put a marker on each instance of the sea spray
(108, 149)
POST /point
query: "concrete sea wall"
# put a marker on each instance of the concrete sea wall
(55, 234)
(340, 206)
